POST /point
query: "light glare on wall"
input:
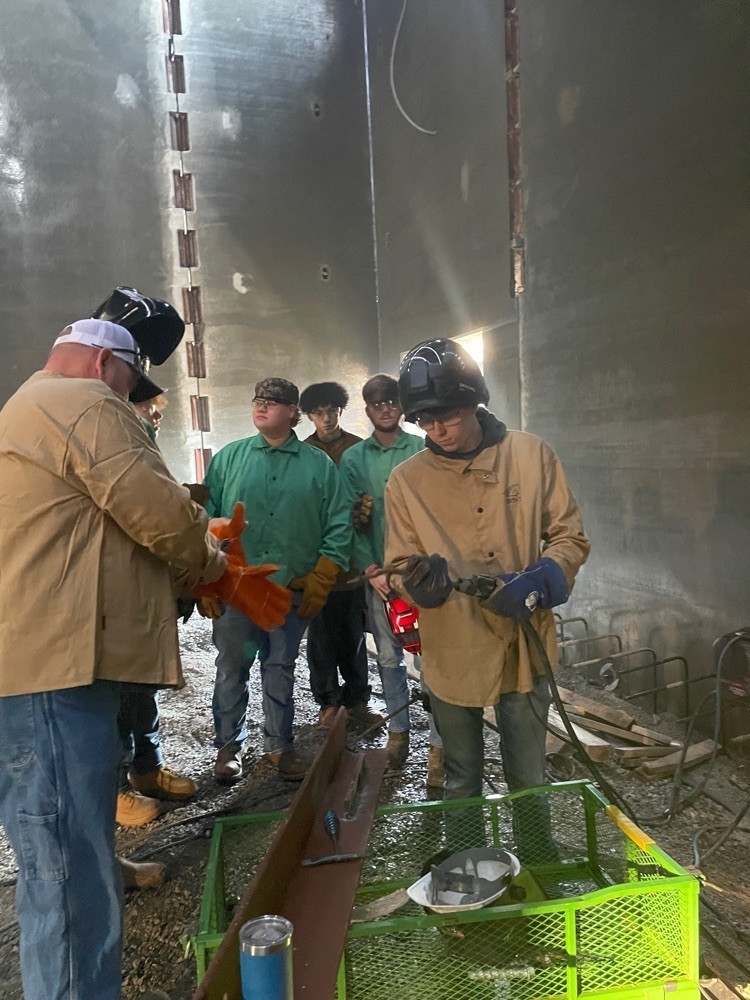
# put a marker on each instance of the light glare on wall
(474, 344)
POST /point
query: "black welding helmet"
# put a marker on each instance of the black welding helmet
(154, 324)
(439, 374)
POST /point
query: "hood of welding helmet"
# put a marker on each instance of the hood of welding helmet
(154, 324)
(438, 374)
(468, 880)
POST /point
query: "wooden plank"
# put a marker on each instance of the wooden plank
(634, 756)
(716, 989)
(596, 748)
(668, 741)
(663, 768)
(554, 744)
(283, 885)
(594, 709)
(604, 727)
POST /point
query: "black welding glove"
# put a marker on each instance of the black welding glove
(426, 581)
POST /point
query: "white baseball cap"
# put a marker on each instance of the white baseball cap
(103, 334)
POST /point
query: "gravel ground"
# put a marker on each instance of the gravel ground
(157, 920)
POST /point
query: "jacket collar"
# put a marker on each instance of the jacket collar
(402, 441)
(293, 444)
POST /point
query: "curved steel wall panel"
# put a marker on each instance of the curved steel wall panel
(443, 229)
(635, 354)
(279, 155)
(82, 194)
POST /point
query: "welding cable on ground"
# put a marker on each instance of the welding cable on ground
(728, 831)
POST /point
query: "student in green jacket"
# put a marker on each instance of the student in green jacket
(297, 517)
(365, 468)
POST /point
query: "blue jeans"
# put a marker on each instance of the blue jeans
(59, 754)
(336, 645)
(436, 739)
(521, 720)
(391, 663)
(138, 726)
(239, 641)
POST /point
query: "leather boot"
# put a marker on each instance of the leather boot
(398, 750)
(164, 784)
(136, 810)
(364, 716)
(288, 764)
(228, 766)
(147, 875)
(435, 769)
(327, 716)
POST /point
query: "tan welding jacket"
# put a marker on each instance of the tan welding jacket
(493, 514)
(90, 521)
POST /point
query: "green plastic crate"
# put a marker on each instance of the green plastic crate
(598, 909)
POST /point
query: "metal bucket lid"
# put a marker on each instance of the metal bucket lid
(265, 935)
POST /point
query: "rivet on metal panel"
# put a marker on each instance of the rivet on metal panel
(179, 132)
(175, 74)
(325, 273)
(200, 413)
(201, 457)
(196, 359)
(187, 245)
(183, 191)
(317, 110)
(192, 305)
(171, 17)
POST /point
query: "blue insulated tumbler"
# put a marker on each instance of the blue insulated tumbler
(266, 959)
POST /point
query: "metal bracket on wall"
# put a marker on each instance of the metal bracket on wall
(187, 237)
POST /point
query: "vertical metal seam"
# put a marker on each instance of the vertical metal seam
(513, 136)
(172, 26)
(371, 157)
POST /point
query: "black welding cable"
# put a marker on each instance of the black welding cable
(533, 636)
(678, 803)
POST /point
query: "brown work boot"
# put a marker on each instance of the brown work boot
(364, 716)
(435, 768)
(228, 765)
(164, 784)
(398, 750)
(327, 716)
(288, 764)
(136, 810)
(147, 875)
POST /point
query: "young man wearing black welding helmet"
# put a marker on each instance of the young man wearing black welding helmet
(480, 500)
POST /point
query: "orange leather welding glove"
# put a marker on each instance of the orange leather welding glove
(316, 586)
(247, 588)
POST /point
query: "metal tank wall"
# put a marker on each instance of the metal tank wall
(441, 201)
(82, 191)
(634, 323)
(275, 95)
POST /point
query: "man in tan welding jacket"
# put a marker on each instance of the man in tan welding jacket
(480, 500)
(92, 526)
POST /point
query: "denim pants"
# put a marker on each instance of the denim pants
(336, 644)
(436, 739)
(59, 754)
(238, 641)
(521, 720)
(138, 726)
(391, 663)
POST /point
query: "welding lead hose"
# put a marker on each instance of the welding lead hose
(533, 638)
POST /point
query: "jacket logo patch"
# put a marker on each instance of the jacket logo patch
(512, 493)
